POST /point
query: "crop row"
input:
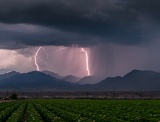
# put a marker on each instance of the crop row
(17, 115)
(79, 111)
(32, 114)
(95, 110)
(19, 111)
(4, 105)
(7, 112)
(67, 115)
(46, 114)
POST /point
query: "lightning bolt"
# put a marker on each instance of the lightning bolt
(86, 54)
(60, 49)
(87, 62)
(35, 57)
(45, 52)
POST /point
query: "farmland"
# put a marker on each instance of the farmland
(63, 110)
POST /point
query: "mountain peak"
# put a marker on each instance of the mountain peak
(88, 80)
(52, 74)
(33, 80)
(9, 74)
(12, 72)
(139, 73)
(35, 72)
(71, 78)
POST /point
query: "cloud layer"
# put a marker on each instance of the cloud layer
(68, 22)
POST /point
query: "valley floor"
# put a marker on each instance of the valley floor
(83, 94)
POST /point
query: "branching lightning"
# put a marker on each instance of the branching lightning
(87, 62)
(35, 57)
(45, 52)
(60, 49)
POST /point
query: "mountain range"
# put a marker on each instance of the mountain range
(52, 74)
(33, 81)
(135, 80)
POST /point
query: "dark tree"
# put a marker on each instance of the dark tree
(14, 96)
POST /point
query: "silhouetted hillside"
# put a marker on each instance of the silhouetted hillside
(88, 80)
(9, 74)
(71, 78)
(34, 80)
(38, 81)
(134, 81)
(55, 75)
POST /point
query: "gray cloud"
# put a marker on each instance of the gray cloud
(68, 22)
(24, 35)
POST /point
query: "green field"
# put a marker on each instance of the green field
(80, 110)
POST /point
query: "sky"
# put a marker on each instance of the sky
(118, 36)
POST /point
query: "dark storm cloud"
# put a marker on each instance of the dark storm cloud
(22, 35)
(81, 22)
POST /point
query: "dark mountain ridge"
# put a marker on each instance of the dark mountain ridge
(136, 80)
(55, 75)
(88, 80)
(34, 80)
(9, 74)
(71, 78)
